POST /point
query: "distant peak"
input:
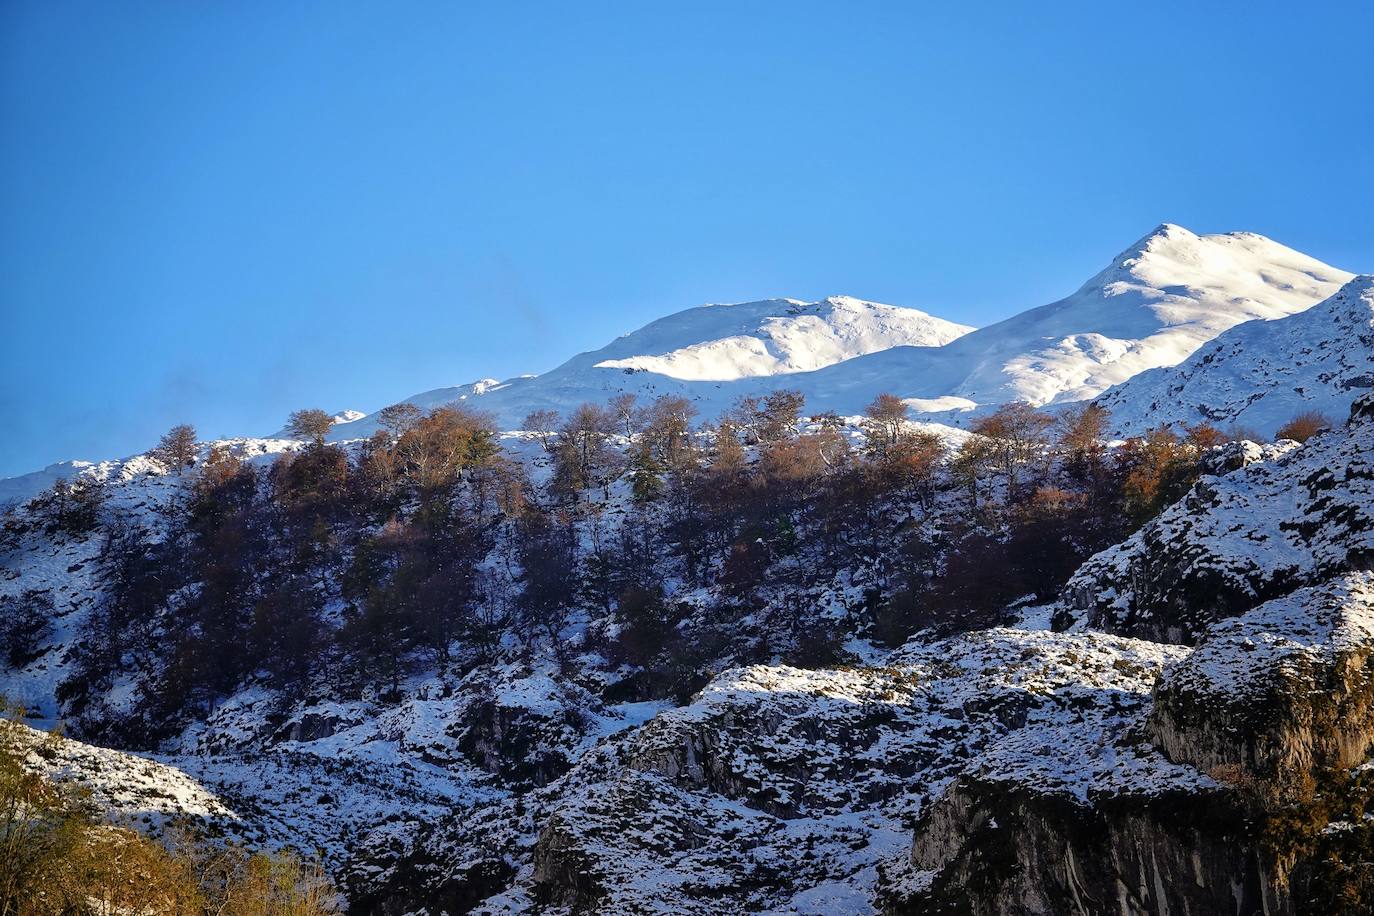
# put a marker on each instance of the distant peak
(726, 305)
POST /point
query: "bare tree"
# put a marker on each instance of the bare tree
(311, 424)
(886, 417)
(668, 429)
(1018, 434)
(767, 419)
(584, 457)
(544, 425)
(623, 408)
(177, 448)
(398, 419)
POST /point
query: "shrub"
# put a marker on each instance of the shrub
(1304, 426)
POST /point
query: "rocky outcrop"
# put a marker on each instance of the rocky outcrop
(1229, 797)
(1238, 540)
(994, 847)
(1281, 694)
(782, 789)
(789, 741)
(523, 746)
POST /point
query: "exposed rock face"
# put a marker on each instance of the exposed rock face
(1269, 707)
(1282, 693)
(991, 847)
(784, 789)
(523, 746)
(1239, 540)
(816, 733)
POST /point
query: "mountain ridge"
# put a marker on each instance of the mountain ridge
(1156, 302)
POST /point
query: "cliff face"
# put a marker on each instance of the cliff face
(993, 847)
(1281, 693)
(784, 789)
(1275, 708)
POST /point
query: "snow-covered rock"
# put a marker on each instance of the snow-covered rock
(1189, 812)
(1283, 692)
(1240, 539)
(122, 787)
(778, 788)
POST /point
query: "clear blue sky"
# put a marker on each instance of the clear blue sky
(217, 212)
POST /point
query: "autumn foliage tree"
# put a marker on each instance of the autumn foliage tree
(1159, 467)
(884, 422)
(1017, 434)
(1304, 426)
(399, 419)
(436, 451)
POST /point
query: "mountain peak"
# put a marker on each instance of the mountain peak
(1162, 236)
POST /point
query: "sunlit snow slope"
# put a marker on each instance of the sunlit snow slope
(1262, 373)
(1157, 302)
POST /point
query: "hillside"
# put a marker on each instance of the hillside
(634, 662)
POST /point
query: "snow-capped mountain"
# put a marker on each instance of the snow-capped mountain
(1156, 303)
(1262, 373)
(773, 337)
(793, 676)
(1152, 306)
(709, 353)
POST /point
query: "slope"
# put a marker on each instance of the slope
(1261, 373)
(1155, 304)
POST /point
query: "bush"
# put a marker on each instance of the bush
(1304, 426)
(60, 860)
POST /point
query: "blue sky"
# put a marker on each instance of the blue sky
(219, 212)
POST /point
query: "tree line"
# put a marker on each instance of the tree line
(429, 545)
